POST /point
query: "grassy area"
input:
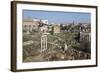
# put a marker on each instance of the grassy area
(54, 44)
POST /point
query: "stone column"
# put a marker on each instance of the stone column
(43, 42)
(66, 47)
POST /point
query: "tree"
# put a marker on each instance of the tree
(77, 37)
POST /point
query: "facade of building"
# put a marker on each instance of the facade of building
(85, 36)
(44, 29)
(33, 24)
(56, 29)
(85, 27)
(44, 21)
(30, 25)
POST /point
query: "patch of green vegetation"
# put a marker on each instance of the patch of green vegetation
(27, 38)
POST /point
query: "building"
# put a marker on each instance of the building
(44, 21)
(85, 27)
(85, 36)
(44, 29)
(56, 29)
(30, 24)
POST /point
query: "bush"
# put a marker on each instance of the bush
(76, 46)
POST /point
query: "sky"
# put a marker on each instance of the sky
(58, 16)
